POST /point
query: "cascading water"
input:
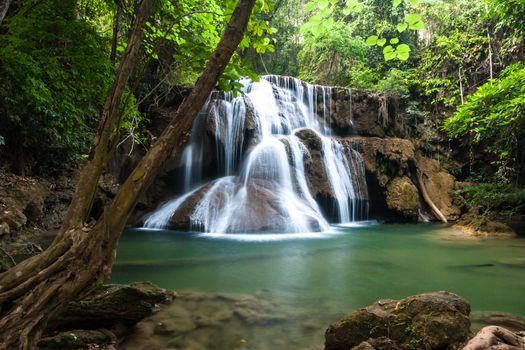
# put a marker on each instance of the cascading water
(263, 163)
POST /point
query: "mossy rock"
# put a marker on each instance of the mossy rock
(112, 304)
(427, 321)
(77, 339)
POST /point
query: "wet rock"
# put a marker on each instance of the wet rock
(375, 114)
(474, 224)
(440, 186)
(310, 139)
(403, 196)
(78, 339)
(383, 156)
(341, 116)
(437, 320)
(257, 311)
(263, 210)
(315, 171)
(381, 343)
(112, 304)
(175, 326)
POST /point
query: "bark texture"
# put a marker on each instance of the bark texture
(81, 257)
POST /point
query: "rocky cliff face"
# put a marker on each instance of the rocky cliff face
(370, 123)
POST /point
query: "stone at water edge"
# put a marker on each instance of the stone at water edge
(436, 320)
(104, 316)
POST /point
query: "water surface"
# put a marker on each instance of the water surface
(327, 275)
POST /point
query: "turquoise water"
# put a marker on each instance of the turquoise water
(337, 272)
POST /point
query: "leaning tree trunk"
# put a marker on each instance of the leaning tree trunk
(78, 260)
(4, 6)
(107, 135)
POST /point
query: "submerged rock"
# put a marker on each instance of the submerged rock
(485, 318)
(437, 320)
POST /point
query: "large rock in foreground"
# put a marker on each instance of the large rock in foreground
(103, 316)
(438, 320)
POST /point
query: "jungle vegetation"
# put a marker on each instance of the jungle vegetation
(77, 76)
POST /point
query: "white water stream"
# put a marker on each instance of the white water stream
(258, 149)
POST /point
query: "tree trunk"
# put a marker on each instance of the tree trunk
(79, 260)
(116, 31)
(107, 135)
(4, 6)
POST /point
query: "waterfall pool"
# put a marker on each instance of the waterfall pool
(289, 288)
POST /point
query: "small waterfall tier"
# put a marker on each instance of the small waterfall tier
(267, 161)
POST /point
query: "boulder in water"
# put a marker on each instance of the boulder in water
(227, 206)
(402, 196)
(437, 320)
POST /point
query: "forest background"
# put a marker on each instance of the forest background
(456, 67)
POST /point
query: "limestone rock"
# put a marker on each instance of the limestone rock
(403, 196)
(314, 166)
(4, 229)
(13, 217)
(474, 224)
(375, 114)
(440, 186)
(263, 211)
(389, 156)
(435, 320)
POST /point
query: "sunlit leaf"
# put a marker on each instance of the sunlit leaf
(389, 53)
(403, 52)
(401, 27)
(381, 42)
(322, 4)
(396, 3)
(394, 40)
(312, 5)
(415, 21)
(372, 40)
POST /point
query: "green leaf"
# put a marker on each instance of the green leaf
(415, 21)
(372, 40)
(389, 53)
(381, 42)
(322, 4)
(312, 5)
(401, 27)
(394, 40)
(396, 3)
(352, 6)
(403, 52)
(414, 2)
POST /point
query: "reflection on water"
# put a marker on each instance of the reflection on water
(310, 282)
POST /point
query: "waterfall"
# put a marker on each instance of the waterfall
(268, 145)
